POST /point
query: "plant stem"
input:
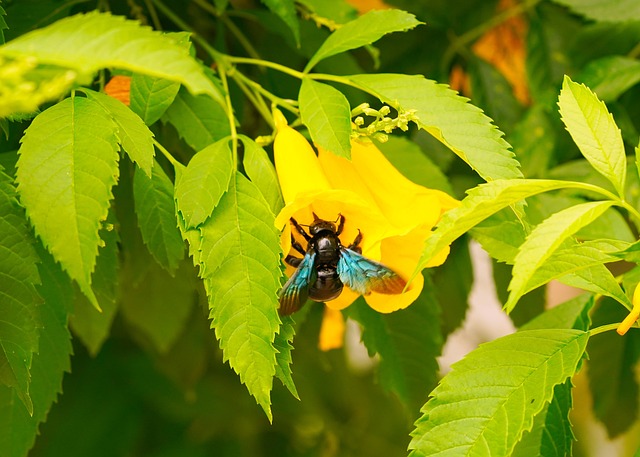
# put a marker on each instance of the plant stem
(255, 99)
(166, 153)
(603, 328)
(154, 15)
(266, 63)
(232, 120)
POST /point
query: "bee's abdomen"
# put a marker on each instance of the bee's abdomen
(327, 285)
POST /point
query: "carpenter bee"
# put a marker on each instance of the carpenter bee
(327, 265)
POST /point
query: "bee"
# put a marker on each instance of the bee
(326, 266)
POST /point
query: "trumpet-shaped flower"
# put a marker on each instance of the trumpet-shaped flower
(393, 214)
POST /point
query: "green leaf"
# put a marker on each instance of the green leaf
(551, 434)
(286, 10)
(199, 120)
(204, 182)
(605, 10)
(18, 428)
(67, 166)
(492, 396)
(150, 97)
(408, 342)
(89, 42)
(500, 235)
(612, 381)
(449, 118)
(158, 305)
(283, 346)
(262, 173)
(544, 240)
(364, 30)
(89, 324)
(534, 140)
(155, 210)
(240, 265)
(573, 313)
(19, 306)
(134, 135)
(594, 131)
(326, 113)
(481, 202)
(610, 77)
(599, 280)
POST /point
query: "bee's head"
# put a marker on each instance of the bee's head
(319, 225)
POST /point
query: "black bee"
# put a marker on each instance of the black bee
(326, 265)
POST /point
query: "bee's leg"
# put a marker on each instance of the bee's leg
(293, 261)
(340, 224)
(300, 230)
(354, 246)
(297, 246)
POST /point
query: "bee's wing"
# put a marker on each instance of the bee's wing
(364, 275)
(294, 292)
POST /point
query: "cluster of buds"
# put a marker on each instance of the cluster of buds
(381, 125)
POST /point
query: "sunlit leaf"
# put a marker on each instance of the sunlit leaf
(594, 131)
(19, 306)
(262, 173)
(488, 401)
(448, 117)
(364, 30)
(204, 182)
(544, 240)
(155, 210)
(150, 97)
(68, 163)
(134, 135)
(89, 42)
(597, 279)
(240, 265)
(199, 120)
(326, 113)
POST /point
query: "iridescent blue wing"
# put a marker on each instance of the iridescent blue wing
(364, 275)
(294, 292)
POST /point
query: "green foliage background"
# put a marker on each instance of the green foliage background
(122, 229)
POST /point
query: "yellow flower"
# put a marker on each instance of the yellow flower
(633, 316)
(394, 215)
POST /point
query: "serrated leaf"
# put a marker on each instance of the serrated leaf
(599, 280)
(199, 120)
(449, 118)
(240, 265)
(18, 429)
(135, 137)
(611, 76)
(203, 183)
(408, 342)
(326, 113)
(605, 10)
(283, 346)
(480, 203)
(286, 10)
(90, 325)
(89, 42)
(67, 165)
(158, 305)
(150, 97)
(19, 307)
(551, 434)
(492, 396)
(612, 380)
(500, 237)
(155, 210)
(594, 131)
(544, 240)
(262, 173)
(364, 30)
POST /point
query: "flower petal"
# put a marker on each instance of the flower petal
(331, 330)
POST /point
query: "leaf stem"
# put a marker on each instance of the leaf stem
(285, 103)
(166, 153)
(232, 120)
(603, 328)
(266, 63)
